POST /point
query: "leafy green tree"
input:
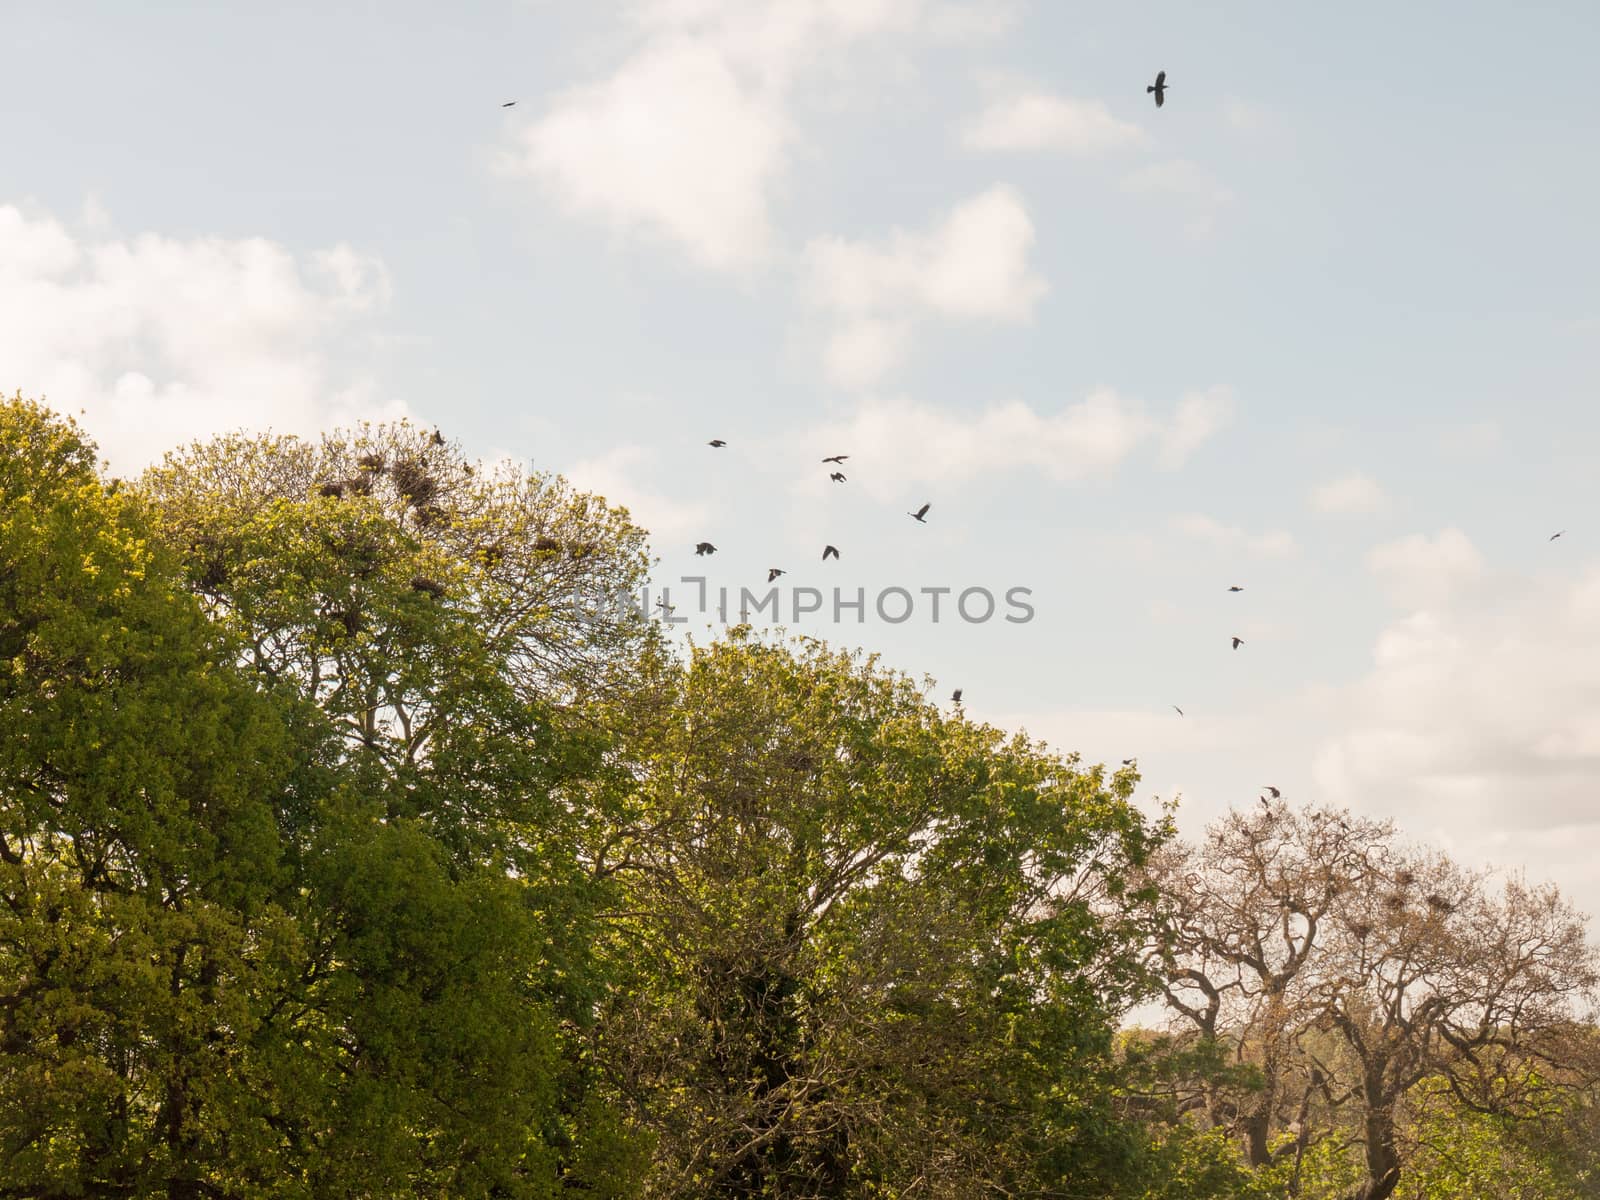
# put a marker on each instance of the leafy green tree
(262, 933)
(876, 950)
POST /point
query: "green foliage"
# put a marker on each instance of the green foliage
(886, 945)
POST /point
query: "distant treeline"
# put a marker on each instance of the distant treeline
(344, 854)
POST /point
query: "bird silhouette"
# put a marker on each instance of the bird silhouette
(438, 438)
(717, 442)
(704, 548)
(1127, 762)
(921, 514)
(1236, 588)
(1237, 642)
(829, 552)
(1178, 710)
(1159, 87)
(1554, 536)
(836, 476)
(955, 696)
(665, 607)
(836, 458)
(1264, 803)
(508, 104)
(1272, 791)
(774, 572)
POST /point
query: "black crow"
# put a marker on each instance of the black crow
(1272, 791)
(1178, 710)
(717, 442)
(1159, 87)
(704, 548)
(836, 458)
(1236, 588)
(774, 572)
(1554, 536)
(955, 696)
(836, 476)
(829, 552)
(921, 514)
(1237, 642)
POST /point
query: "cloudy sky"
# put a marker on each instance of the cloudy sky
(1326, 326)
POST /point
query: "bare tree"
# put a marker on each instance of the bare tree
(1345, 968)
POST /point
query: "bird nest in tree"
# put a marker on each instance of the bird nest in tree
(412, 480)
(371, 462)
(429, 586)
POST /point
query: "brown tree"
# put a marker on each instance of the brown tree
(1344, 968)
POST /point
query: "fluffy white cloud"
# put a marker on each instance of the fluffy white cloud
(971, 265)
(1025, 119)
(1198, 193)
(1349, 496)
(1484, 716)
(1273, 544)
(1419, 571)
(898, 442)
(161, 340)
(690, 135)
(673, 142)
(619, 477)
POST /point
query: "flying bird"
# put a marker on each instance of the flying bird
(1236, 588)
(665, 607)
(921, 514)
(1159, 87)
(955, 696)
(704, 548)
(1237, 642)
(1272, 791)
(774, 572)
(1127, 762)
(1264, 803)
(836, 458)
(1178, 710)
(1554, 536)
(829, 552)
(508, 104)
(717, 442)
(836, 476)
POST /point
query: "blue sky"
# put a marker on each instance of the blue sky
(1326, 326)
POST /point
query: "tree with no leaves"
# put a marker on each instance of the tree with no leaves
(1345, 969)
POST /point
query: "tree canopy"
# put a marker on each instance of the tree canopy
(359, 836)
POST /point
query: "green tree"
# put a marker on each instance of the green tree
(876, 950)
(269, 930)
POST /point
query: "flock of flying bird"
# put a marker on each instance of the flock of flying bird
(1158, 90)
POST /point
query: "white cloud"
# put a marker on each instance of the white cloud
(1199, 193)
(674, 142)
(162, 340)
(617, 476)
(971, 265)
(690, 136)
(1020, 120)
(898, 442)
(1199, 416)
(1349, 496)
(1485, 716)
(1418, 571)
(1272, 544)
